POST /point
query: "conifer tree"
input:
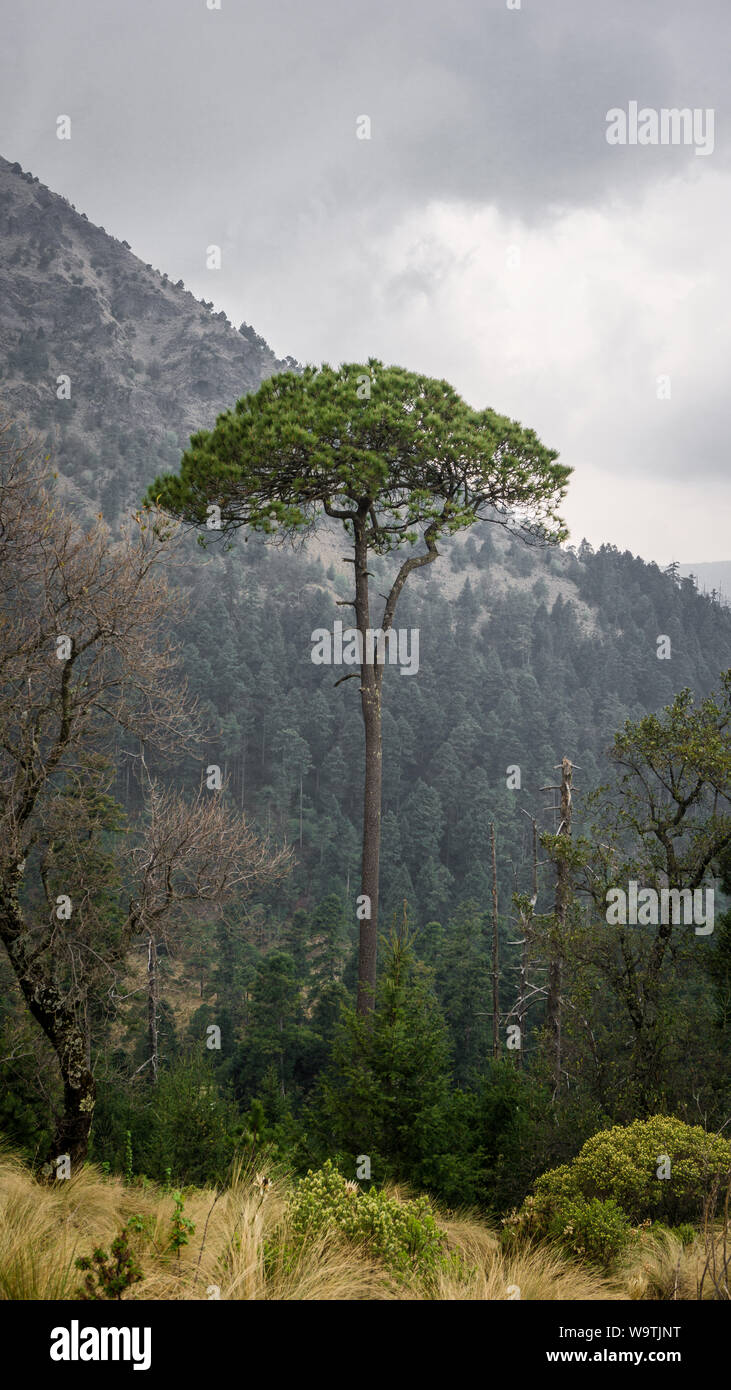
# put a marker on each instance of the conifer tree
(386, 1089)
(400, 461)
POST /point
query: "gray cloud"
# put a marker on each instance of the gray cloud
(468, 100)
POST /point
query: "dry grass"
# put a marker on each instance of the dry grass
(536, 1274)
(662, 1268)
(45, 1227)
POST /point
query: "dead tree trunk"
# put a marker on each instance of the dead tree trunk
(560, 916)
(495, 952)
(525, 922)
(153, 1008)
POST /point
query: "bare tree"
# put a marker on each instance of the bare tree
(191, 855)
(83, 649)
(526, 909)
(554, 999)
(716, 1232)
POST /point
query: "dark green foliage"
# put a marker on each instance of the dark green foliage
(324, 437)
(185, 1126)
(463, 982)
(502, 1134)
(385, 1090)
(181, 1227)
(278, 1040)
(718, 962)
(594, 1230)
(108, 1276)
(189, 1126)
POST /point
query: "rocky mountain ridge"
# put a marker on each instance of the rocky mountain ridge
(103, 354)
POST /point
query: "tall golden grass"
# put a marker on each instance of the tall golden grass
(45, 1227)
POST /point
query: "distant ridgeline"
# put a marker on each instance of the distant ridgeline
(524, 655)
(712, 578)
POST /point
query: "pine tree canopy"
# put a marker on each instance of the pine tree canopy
(333, 441)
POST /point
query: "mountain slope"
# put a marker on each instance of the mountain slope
(146, 363)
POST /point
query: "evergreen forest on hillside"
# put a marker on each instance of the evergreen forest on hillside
(228, 1033)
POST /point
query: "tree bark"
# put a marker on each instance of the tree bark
(58, 1019)
(561, 908)
(495, 951)
(526, 919)
(370, 693)
(153, 1002)
(370, 690)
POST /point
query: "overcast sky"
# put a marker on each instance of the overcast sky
(487, 232)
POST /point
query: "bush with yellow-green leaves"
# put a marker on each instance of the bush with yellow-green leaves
(659, 1170)
(622, 1164)
(401, 1234)
(597, 1231)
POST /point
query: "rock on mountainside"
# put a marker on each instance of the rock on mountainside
(116, 365)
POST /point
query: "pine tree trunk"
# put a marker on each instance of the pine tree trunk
(371, 676)
(371, 682)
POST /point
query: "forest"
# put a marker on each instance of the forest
(342, 968)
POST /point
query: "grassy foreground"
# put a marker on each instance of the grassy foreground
(239, 1247)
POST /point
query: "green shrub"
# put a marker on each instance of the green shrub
(685, 1232)
(184, 1129)
(621, 1164)
(595, 1230)
(403, 1234)
(589, 1206)
(108, 1276)
(181, 1227)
